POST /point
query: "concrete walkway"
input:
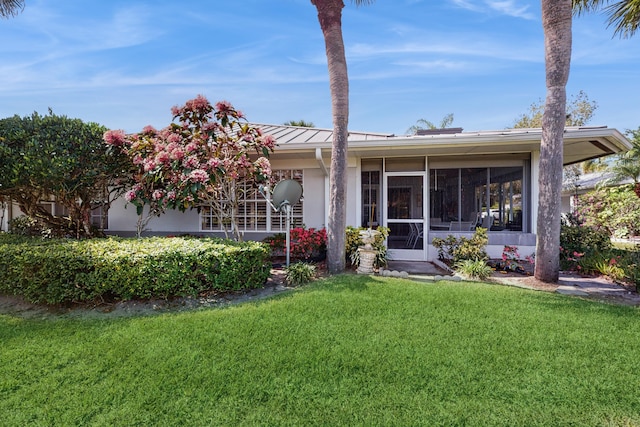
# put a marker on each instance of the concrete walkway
(596, 287)
(571, 284)
(417, 267)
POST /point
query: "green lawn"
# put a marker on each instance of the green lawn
(349, 350)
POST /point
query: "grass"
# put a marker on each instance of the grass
(349, 350)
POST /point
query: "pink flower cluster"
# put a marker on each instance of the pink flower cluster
(116, 138)
(199, 175)
(208, 145)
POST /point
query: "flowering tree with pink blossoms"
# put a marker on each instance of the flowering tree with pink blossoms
(207, 156)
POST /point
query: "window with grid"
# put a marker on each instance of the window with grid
(100, 217)
(254, 213)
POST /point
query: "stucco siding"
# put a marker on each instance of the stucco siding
(314, 198)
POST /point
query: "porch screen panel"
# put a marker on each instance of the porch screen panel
(486, 197)
(506, 198)
(444, 197)
(474, 191)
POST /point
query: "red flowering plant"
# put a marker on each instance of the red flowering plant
(511, 258)
(512, 261)
(571, 260)
(305, 244)
(308, 243)
(208, 156)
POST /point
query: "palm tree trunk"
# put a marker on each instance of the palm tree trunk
(330, 17)
(556, 20)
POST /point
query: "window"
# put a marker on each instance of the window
(484, 197)
(100, 217)
(254, 212)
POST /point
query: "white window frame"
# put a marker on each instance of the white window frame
(273, 221)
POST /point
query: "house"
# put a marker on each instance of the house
(420, 186)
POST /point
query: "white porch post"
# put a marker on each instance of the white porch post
(535, 189)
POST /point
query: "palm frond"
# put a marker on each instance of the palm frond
(585, 6)
(10, 7)
(625, 15)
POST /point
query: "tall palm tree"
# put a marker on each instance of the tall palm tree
(330, 17)
(624, 15)
(10, 7)
(556, 21)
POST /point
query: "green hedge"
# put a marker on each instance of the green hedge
(55, 271)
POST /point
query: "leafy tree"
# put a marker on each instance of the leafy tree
(57, 158)
(330, 18)
(580, 110)
(426, 124)
(623, 14)
(299, 123)
(202, 160)
(10, 7)
(556, 22)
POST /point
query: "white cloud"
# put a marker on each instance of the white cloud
(465, 46)
(511, 8)
(467, 4)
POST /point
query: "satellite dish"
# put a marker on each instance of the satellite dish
(285, 192)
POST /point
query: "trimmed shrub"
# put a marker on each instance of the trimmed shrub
(57, 271)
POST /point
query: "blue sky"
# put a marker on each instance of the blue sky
(125, 63)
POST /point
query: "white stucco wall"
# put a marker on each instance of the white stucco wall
(353, 208)
(314, 198)
(123, 220)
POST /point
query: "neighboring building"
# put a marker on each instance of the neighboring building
(420, 186)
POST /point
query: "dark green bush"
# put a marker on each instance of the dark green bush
(56, 271)
(27, 226)
(579, 242)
